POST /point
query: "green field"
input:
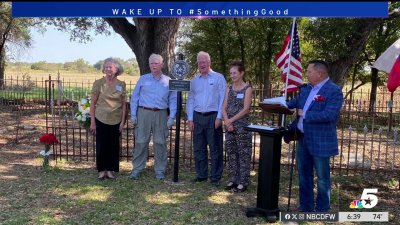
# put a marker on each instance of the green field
(72, 77)
(24, 83)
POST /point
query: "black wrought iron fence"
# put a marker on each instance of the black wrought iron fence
(368, 138)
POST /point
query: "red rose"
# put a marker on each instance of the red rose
(48, 139)
(319, 98)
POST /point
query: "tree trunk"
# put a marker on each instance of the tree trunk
(147, 36)
(4, 37)
(356, 43)
(220, 29)
(374, 86)
(2, 67)
(268, 56)
(241, 41)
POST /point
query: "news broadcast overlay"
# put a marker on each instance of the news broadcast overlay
(334, 217)
(368, 200)
(200, 9)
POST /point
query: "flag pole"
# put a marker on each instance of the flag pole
(283, 117)
(288, 67)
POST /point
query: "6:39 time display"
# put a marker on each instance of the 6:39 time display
(354, 216)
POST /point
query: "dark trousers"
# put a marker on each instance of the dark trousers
(306, 163)
(205, 134)
(107, 147)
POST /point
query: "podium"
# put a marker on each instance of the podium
(268, 174)
(274, 108)
(268, 167)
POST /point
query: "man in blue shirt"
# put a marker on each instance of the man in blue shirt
(204, 109)
(318, 109)
(149, 103)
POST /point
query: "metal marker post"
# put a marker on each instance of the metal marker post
(177, 131)
(179, 70)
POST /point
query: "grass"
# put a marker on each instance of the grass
(69, 193)
(66, 195)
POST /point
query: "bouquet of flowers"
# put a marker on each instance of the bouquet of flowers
(83, 114)
(47, 140)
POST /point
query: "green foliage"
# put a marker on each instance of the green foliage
(99, 65)
(380, 39)
(327, 37)
(131, 66)
(79, 28)
(14, 34)
(79, 65)
(45, 66)
(14, 31)
(254, 41)
(393, 183)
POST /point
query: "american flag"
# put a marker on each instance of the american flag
(282, 61)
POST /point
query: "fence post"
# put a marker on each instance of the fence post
(390, 111)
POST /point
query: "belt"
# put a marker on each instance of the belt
(206, 113)
(149, 108)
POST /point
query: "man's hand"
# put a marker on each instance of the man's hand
(191, 125)
(134, 120)
(170, 122)
(300, 112)
(217, 123)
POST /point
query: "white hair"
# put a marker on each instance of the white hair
(205, 54)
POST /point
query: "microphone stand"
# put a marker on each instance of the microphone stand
(294, 149)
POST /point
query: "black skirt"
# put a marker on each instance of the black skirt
(107, 147)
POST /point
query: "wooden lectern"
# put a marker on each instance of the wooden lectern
(269, 166)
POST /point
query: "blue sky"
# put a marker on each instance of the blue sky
(55, 47)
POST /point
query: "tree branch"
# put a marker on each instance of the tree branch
(5, 34)
(127, 30)
(353, 89)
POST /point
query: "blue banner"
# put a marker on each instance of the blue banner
(200, 9)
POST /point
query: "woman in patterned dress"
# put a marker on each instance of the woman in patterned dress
(235, 112)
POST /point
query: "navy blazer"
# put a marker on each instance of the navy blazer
(319, 125)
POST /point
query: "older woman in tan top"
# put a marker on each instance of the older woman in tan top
(107, 113)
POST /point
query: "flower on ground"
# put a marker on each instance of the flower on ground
(47, 139)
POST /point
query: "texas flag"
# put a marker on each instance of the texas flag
(389, 62)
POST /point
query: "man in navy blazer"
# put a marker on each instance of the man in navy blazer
(318, 107)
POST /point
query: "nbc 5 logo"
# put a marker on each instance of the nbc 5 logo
(367, 201)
